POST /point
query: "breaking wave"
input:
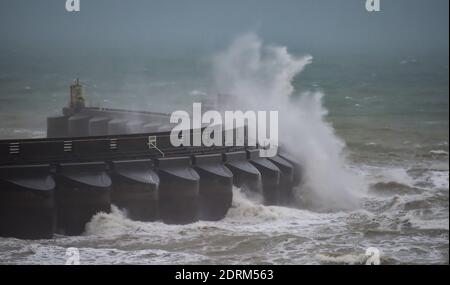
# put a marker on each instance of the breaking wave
(261, 76)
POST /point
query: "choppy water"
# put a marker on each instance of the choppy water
(393, 116)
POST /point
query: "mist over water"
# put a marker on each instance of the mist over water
(260, 77)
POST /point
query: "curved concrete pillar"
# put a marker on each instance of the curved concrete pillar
(58, 127)
(135, 188)
(178, 190)
(216, 186)
(98, 126)
(297, 169)
(79, 126)
(286, 178)
(27, 205)
(245, 175)
(82, 190)
(270, 176)
(117, 127)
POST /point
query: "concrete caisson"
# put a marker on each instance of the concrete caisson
(135, 188)
(27, 204)
(270, 176)
(216, 186)
(286, 179)
(178, 190)
(82, 190)
(245, 175)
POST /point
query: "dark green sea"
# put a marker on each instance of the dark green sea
(391, 111)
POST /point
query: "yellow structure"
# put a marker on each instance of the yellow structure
(76, 96)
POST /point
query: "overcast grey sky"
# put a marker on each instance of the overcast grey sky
(28, 26)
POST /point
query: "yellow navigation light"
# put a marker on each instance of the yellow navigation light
(76, 96)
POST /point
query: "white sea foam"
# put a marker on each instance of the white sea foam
(261, 76)
(434, 224)
(248, 209)
(350, 259)
(440, 179)
(439, 152)
(245, 210)
(391, 175)
(250, 233)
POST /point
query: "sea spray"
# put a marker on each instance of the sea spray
(247, 211)
(260, 77)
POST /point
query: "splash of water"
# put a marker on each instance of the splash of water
(261, 77)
